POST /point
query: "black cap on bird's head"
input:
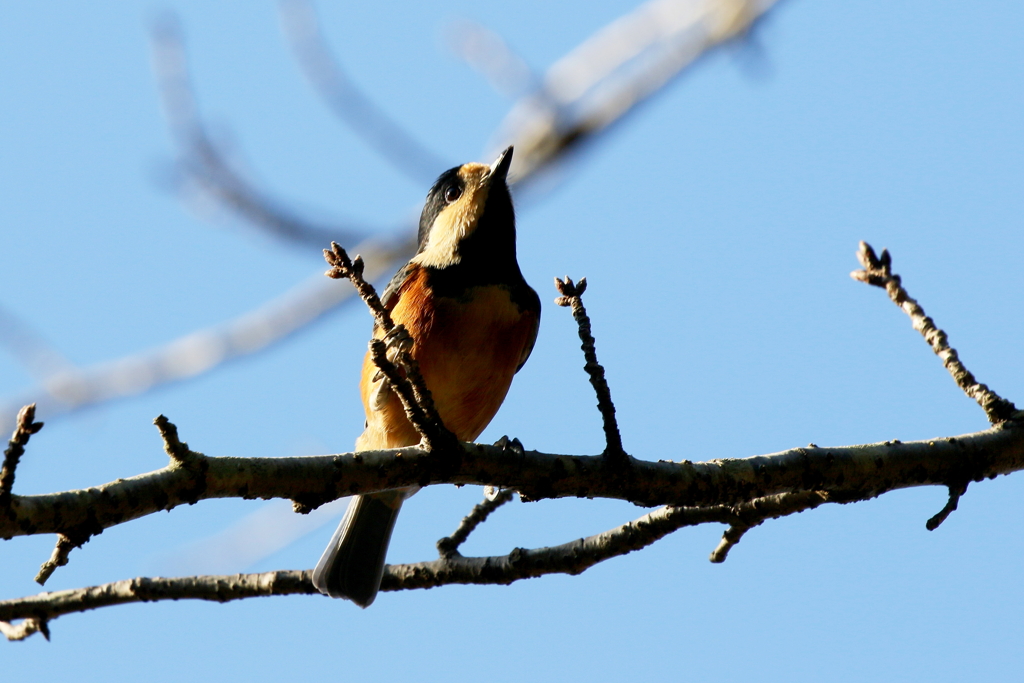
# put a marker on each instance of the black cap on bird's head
(468, 209)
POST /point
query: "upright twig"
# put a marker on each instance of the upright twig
(23, 431)
(572, 296)
(404, 376)
(176, 449)
(878, 272)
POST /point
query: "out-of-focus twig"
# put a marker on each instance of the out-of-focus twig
(613, 71)
(29, 347)
(348, 102)
(200, 351)
(488, 53)
(201, 166)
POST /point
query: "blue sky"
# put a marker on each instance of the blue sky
(717, 226)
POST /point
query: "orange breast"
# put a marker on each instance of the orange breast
(468, 350)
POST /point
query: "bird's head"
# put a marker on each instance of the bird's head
(469, 209)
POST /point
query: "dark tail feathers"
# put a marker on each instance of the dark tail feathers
(353, 563)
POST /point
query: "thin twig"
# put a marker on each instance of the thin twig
(302, 30)
(449, 545)
(23, 630)
(955, 492)
(404, 375)
(756, 512)
(572, 296)
(23, 431)
(177, 450)
(59, 557)
(878, 272)
(730, 537)
(344, 268)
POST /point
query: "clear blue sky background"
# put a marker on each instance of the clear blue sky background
(716, 227)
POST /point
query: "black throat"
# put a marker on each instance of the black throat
(487, 256)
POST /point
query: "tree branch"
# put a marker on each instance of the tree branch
(404, 374)
(612, 72)
(544, 126)
(348, 102)
(202, 163)
(878, 272)
(38, 610)
(449, 545)
(746, 516)
(572, 296)
(203, 350)
(572, 558)
(59, 557)
(23, 431)
(742, 493)
(850, 472)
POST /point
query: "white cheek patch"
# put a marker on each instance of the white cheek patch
(456, 221)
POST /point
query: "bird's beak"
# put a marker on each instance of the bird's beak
(499, 169)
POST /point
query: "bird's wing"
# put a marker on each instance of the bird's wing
(394, 288)
(528, 347)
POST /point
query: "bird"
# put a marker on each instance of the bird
(472, 322)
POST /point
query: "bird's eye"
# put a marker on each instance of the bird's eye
(452, 193)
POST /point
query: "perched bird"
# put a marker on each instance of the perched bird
(472, 320)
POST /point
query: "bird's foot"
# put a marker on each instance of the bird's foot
(511, 446)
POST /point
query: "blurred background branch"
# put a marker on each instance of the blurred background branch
(577, 99)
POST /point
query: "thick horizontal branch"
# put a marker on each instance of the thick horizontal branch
(848, 473)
